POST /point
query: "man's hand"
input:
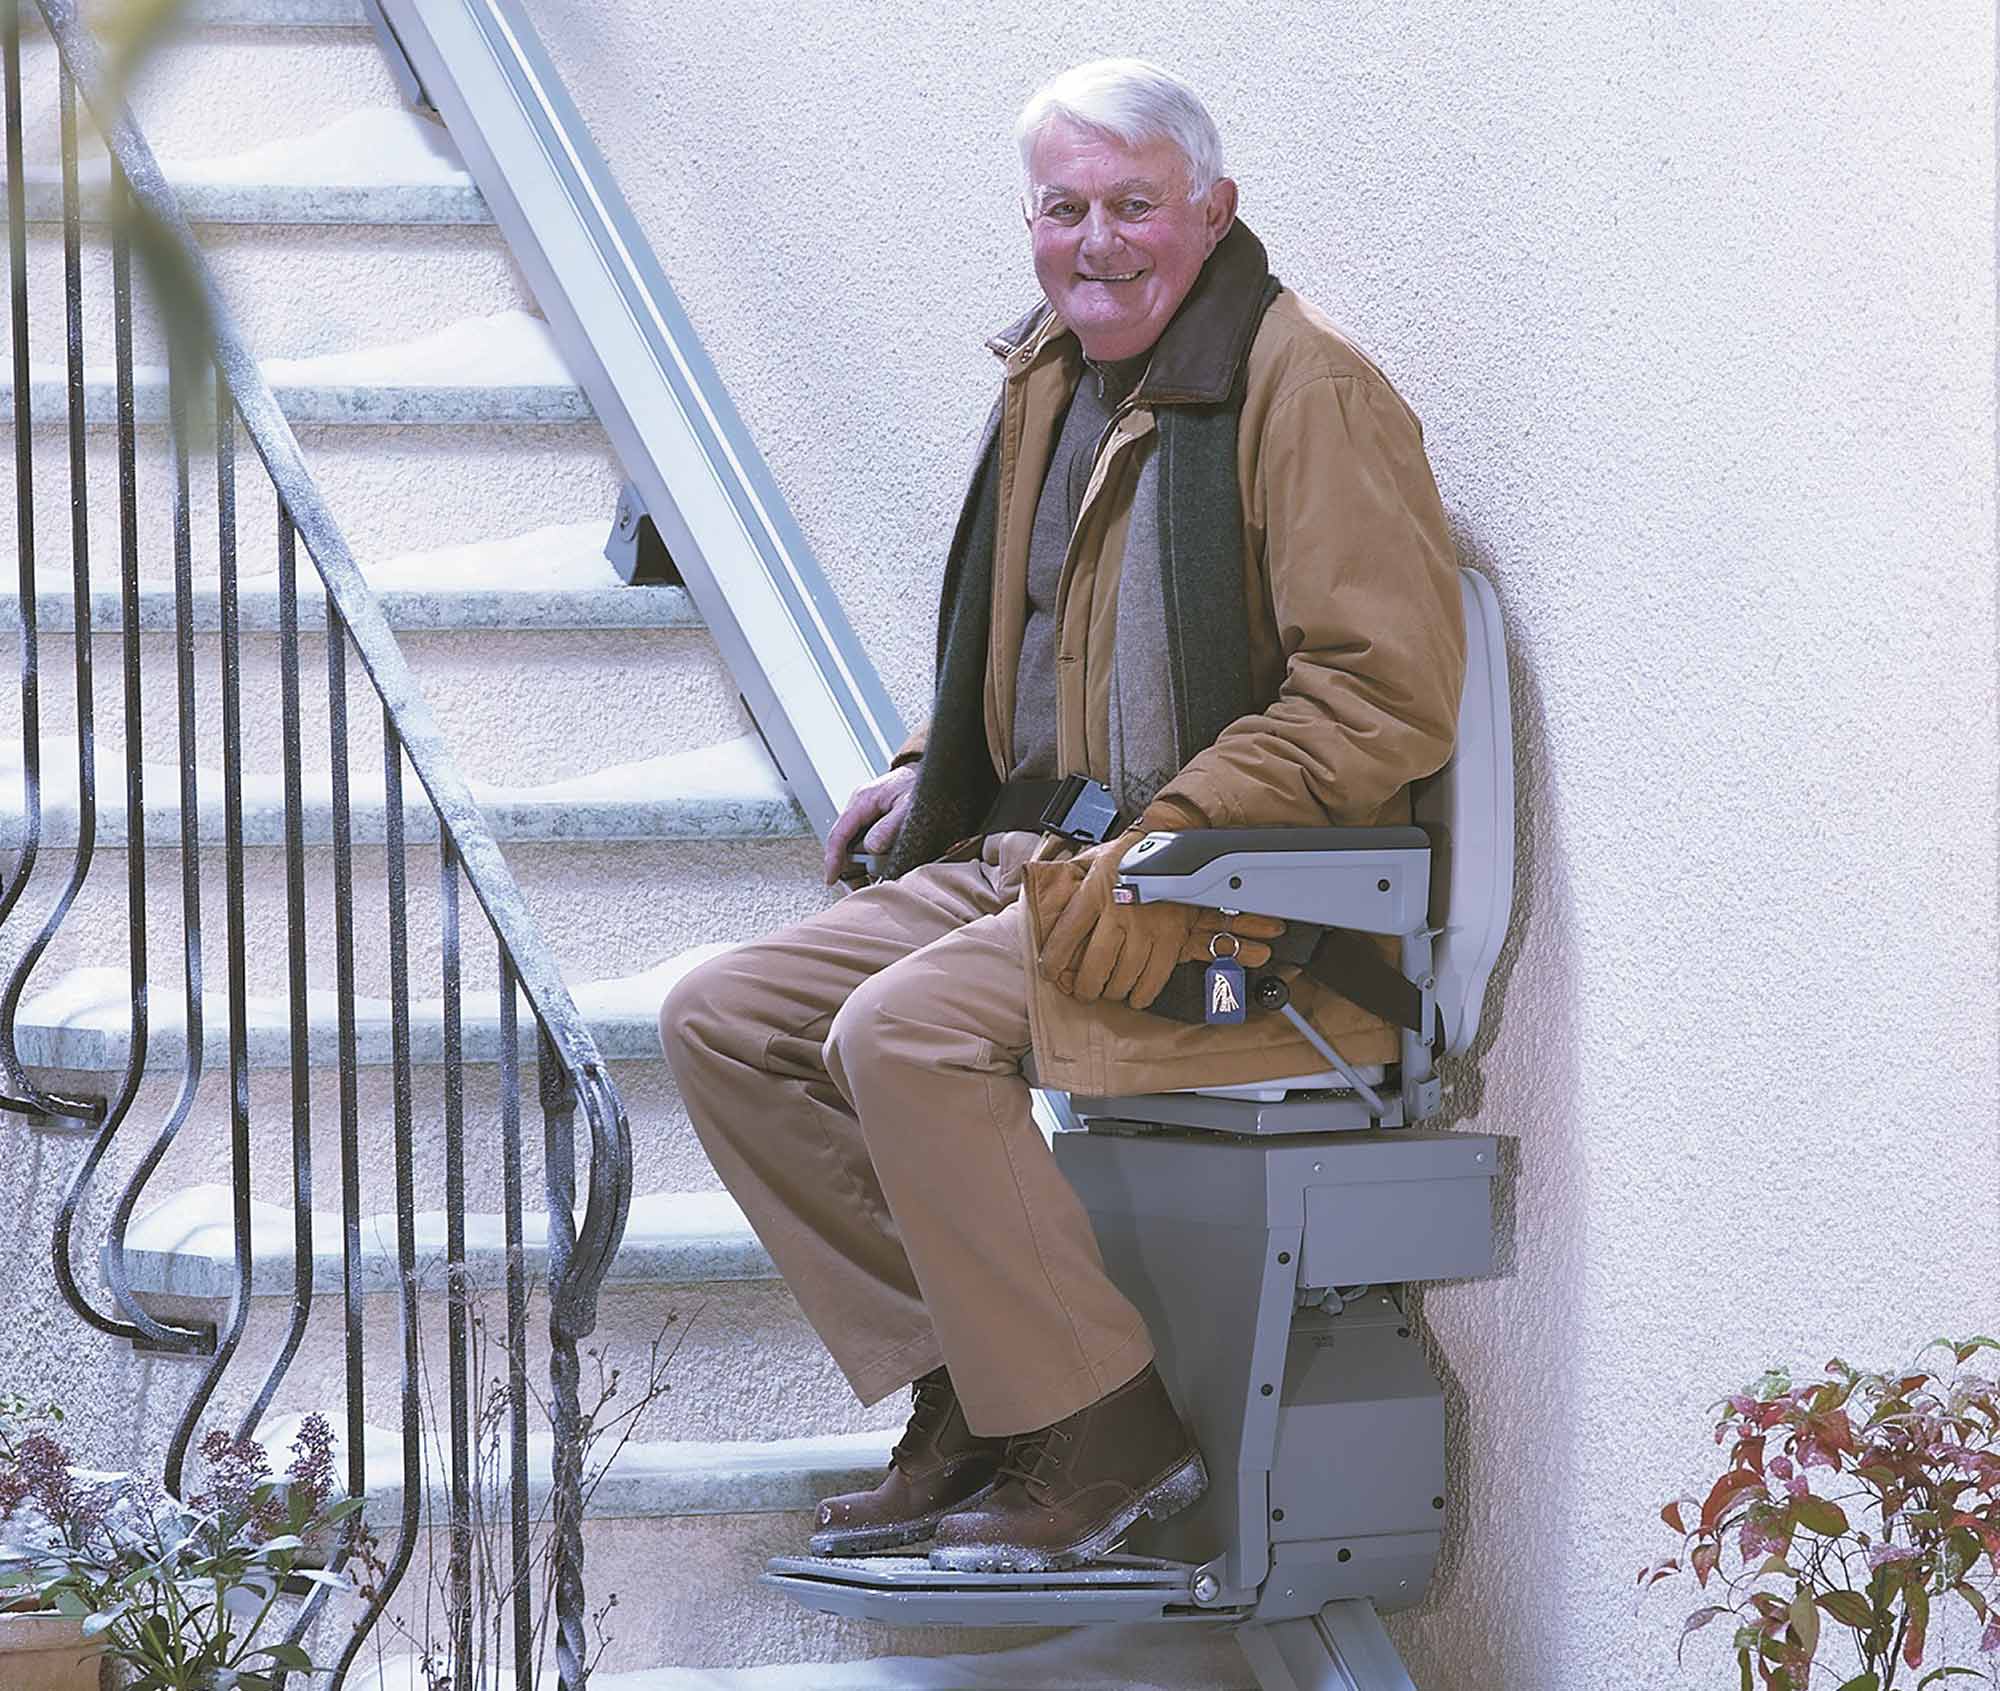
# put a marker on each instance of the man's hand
(1125, 952)
(879, 808)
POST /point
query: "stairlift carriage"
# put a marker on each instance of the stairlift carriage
(1266, 1233)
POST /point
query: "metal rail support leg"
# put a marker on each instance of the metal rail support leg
(1342, 1648)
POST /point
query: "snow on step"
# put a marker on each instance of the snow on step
(83, 1022)
(646, 1481)
(187, 1246)
(730, 791)
(550, 578)
(277, 14)
(504, 368)
(382, 165)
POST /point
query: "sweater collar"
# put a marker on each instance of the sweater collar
(1198, 356)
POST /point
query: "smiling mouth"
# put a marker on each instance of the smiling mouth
(1127, 276)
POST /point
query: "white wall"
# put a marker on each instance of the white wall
(1698, 303)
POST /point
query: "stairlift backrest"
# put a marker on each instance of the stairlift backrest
(1467, 809)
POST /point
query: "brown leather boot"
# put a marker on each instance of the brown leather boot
(937, 1465)
(1068, 1492)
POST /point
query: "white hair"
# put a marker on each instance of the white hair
(1132, 101)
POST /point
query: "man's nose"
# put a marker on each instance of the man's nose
(1100, 230)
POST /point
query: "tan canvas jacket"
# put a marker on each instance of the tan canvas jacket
(1357, 643)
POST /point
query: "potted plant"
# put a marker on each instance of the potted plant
(183, 1596)
(1854, 1510)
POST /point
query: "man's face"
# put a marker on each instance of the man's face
(1118, 243)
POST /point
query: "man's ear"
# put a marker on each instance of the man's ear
(1221, 211)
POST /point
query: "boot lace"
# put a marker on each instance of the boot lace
(1036, 1460)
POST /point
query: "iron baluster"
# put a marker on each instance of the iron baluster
(352, 1309)
(115, 1267)
(565, 1369)
(135, 781)
(295, 973)
(517, 1317)
(35, 1101)
(232, 834)
(24, 514)
(458, 1286)
(350, 1067)
(406, 1201)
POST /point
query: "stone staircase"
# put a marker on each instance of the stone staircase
(611, 756)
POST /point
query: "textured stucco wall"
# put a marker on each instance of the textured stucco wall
(1697, 302)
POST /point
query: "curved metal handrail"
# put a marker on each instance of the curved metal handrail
(572, 1069)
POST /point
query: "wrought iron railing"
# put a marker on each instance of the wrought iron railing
(573, 1077)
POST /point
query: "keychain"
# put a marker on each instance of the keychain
(1222, 985)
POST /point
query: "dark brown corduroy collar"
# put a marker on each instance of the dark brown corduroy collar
(1197, 358)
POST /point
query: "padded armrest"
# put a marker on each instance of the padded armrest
(1374, 880)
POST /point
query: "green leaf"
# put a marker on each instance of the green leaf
(1805, 1622)
(1743, 1661)
(1863, 1682)
(1850, 1608)
(288, 1656)
(1821, 1514)
(1949, 1673)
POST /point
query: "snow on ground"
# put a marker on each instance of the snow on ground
(560, 556)
(98, 999)
(507, 349)
(733, 769)
(376, 147)
(1095, 1658)
(200, 1221)
(738, 768)
(379, 147)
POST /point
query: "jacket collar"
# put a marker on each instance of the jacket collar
(1196, 359)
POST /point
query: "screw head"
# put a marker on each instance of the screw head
(1345, 1556)
(1284, 1256)
(1319, 1168)
(1265, 1390)
(1206, 1587)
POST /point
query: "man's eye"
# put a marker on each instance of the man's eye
(1064, 211)
(1132, 210)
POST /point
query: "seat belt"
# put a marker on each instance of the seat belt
(1340, 959)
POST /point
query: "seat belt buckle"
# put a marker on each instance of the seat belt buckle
(1082, 810)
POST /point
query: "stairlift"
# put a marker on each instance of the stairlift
(1267, 1233)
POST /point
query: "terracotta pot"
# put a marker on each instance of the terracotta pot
(41, 1651)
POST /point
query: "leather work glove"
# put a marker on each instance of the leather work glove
(1125, 952)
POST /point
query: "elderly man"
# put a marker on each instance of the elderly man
(1202, 560)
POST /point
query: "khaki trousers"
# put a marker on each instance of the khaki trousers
(856, 1081)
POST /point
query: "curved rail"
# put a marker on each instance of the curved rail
(572, 1074)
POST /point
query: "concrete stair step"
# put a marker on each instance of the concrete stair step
(502, 368)
(646, 1480)
(553, 579)
(82, 1022)
(379, 165)
(185, 1247)
(728, 791)
(276, 14)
